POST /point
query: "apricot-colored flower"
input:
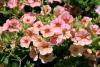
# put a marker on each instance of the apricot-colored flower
(76, 50)
(38, 25)
(83, 37)
(51, 1)
(95, 28)
(46, 9)
(12, 3)
(56, 39)
(45, 48)
(67, 17)
(47, 31)
(12, 25)
(58, 10)
(25, 41)
(46, 58)
(34, 3)
(57, 25)
(29, 18)
(86, 20)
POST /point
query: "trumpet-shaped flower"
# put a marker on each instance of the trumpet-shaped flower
(25, 41)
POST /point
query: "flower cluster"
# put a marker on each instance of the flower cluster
(40, 37)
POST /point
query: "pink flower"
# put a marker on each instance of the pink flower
(56, 39)
(51, 1)
(67, 17)
(12, 3)
(46, 9)
(67, 35)
(98, 10)
(95, 28)
(45, 48)
(57, 25)
(34, 3)
(83, 37)
(21, 7)
(58, 10)
(12, 25)
(29, 18)
(38, 25)
(86, 20)
(25, 41)
(47, 31)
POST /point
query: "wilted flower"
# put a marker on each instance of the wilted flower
(87, 52)
(46, 9)
(34, 53)
(25, 41)
(12, 3)
(12, 25)
(34, 3)
(46, 58)
(98, 54)
(76, 50)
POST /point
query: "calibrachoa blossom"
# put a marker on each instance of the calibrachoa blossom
(57, 25)
(25, 41)
(34, 3)
(83, 37)
(86, 20)
(29, 18)
(76, 50)
(51, 1)
(46, 9)
(67, 17)
(38, 25)
(12, 25)
(47, 31)
(98, 10)
(56, 39)
(45, 48)
(95, 28)
(58, 10)
(12, 3)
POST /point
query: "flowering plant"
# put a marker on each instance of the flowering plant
(36, 34)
